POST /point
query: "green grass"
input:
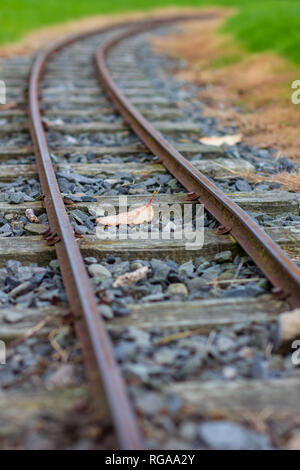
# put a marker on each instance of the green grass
(269, 26)
(260, 25)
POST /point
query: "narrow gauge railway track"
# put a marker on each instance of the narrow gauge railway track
(166, 118)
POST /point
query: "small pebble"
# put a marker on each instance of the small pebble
(177, 289)
(98, 272)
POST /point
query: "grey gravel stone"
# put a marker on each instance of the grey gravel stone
(211, 272)
(36, 228)
(229, 372)
(174, 403)
(12, 265)
(172, 264)
(154, 297)
(106, 311)
(125, 350)
(188, 430)
(5, 228)
(244, 291)
(13, 317)
(150, 403)
(231, 436)
(186, 269)
(160, 270)
(136, 370)
(36, 441)
(16, 198)
(193, 364)
(90, 260)
(243, 185)
(141, 337)
(98, 272)
(119, 268)
(223, 256)
(225, 344)
(165, 356)
(25, 273)
(197, 283)
(120, 310)
(259, 369)
(177, 289)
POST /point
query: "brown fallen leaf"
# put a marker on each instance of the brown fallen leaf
(136, 216)
(29, 213)
(131, 278)
(220, 140)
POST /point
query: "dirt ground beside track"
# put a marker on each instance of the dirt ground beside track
(260, 84)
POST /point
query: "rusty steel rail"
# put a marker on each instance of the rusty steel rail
(274, 263)
(96, 345)
(83, 304)
(97, 348)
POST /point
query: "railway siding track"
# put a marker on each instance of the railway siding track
(172, 363)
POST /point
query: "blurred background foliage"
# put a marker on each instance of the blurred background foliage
(260, 25)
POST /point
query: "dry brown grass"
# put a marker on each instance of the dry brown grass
(290, 181)
(260, 83)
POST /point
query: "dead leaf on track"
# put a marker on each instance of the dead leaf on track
(220, 140)
(30, 215)
(137, 216)
(131, 277)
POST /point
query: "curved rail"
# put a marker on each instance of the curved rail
(96, 344)
(274, 263)
(79, 291)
